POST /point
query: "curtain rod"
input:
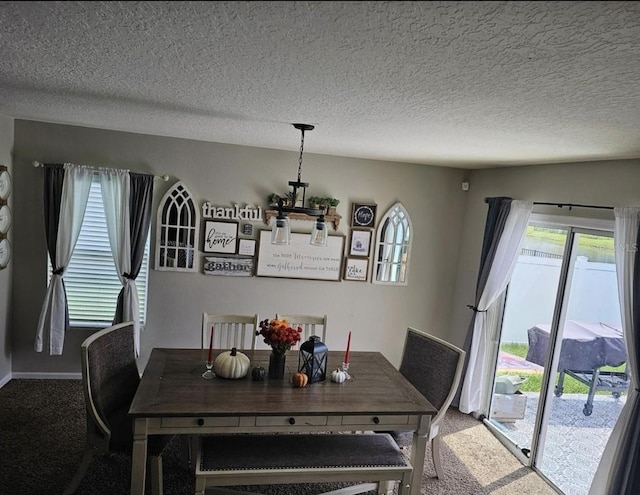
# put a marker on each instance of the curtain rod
(165, 177)
(567, 205)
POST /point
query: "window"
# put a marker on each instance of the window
(393, 246)
(91, 280)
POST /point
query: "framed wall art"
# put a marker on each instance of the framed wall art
(356, 269)
(363, 215)
(360, 242)
(228, 266)
(220, 237)
(299, 259)
(247, 247)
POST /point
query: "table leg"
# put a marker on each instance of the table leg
(139, 456)
(418, 452)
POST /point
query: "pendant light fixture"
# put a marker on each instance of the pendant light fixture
(281, 230)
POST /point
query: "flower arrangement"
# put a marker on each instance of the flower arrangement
(279, 334)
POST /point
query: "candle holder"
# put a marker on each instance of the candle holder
(345, 369)
(209, 374)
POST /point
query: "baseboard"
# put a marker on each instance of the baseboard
(46, 376)
(4, 380)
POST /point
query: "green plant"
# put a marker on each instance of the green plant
(313, 200)
(273, 198)
(333, 202)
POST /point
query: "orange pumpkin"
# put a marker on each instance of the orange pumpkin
(300, 379)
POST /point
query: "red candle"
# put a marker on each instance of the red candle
(210, 346)
(346, 355)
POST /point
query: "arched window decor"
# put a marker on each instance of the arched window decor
(177, 231)
(393, 247)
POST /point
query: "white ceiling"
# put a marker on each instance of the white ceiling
(460, 84)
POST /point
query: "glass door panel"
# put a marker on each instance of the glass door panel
(560, 380)
(531, 300)
(589, 376)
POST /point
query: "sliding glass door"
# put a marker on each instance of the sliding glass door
(560, 380)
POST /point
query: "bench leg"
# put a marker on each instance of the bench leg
(405, 485)
(386, 487)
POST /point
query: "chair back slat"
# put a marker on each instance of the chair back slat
(229, 330)
(310, 324)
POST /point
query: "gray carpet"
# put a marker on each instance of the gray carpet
(42, 428)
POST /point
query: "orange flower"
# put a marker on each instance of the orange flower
(279, 335)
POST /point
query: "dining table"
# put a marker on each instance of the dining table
(173, 398)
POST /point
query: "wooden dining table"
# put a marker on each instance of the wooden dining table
(173, 398)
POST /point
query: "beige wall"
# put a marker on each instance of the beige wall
(597, 183)
(6, 149)
(377, 315)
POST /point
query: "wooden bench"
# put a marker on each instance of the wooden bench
(242, 459)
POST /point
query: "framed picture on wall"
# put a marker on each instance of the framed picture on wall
(356, 269)
(360, 242)
(220, 237)
(363, 215)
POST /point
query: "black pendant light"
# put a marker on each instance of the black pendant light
(281, 230)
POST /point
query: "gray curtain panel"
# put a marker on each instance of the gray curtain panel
(497, 214)
(53, 182)
(140, 203)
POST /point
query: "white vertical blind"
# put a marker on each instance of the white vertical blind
(90, 280)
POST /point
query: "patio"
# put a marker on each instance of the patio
(574, 442)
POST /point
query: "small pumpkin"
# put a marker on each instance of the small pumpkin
(258, 373)
(300, 379)
(338, 376)
(232, 364)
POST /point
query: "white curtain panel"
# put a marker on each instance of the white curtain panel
(486, 324)
(116, 186)
(627, 223)
(75, 193)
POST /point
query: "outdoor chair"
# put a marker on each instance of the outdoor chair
(434, 367)
(110, 379)
(310, 324)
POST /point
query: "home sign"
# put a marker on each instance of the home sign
(248, 213)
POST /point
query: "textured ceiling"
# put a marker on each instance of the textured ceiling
(462, 84)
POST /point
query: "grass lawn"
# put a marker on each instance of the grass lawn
(534, 380)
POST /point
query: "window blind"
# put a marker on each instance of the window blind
(90, 280)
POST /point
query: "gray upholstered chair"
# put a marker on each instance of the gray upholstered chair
(310, 324)
(434, 367)
(110, 379)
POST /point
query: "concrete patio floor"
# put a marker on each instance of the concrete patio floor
(574, 442)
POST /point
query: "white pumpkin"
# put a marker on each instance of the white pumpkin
(338, 376)
(232, 364)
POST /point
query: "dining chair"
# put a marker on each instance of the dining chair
(230, 330)
(310, 324)
(110, 379)
(434, 367)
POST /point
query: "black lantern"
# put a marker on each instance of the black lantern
(312, 360)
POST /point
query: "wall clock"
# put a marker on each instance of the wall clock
(5, 219)
(5, 252)
(5, 184)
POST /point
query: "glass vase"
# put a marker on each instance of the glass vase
(276, 364)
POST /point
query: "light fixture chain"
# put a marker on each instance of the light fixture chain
(300, 159)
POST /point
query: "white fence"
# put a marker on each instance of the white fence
(534, 285)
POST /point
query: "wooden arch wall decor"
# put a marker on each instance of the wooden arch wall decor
(177, 231)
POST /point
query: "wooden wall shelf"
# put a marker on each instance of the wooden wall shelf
(335, 219)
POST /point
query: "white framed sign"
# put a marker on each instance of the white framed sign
(299, 259)
(247, 247)
(356, 269)
(220, 237)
